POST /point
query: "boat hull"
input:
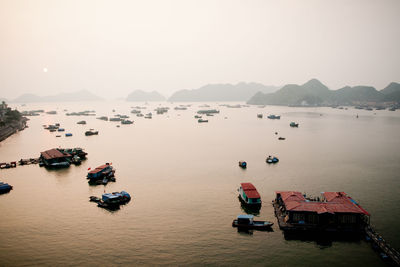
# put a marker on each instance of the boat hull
(256, 225)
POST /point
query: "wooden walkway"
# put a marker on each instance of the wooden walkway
(380, 243)
(13, 164)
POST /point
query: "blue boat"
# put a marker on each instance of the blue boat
(5, 188)
(112, 201)
(61, 129)
(271, 159)
(68, 134)
(274, 117)
(243, 164)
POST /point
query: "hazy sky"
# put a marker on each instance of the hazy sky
(114, 47)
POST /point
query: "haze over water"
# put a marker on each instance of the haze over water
(183, 178)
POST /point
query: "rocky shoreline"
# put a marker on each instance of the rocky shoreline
(12, 127)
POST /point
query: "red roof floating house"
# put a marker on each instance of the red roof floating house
(333, 211)
(55, 158)
(249, 194)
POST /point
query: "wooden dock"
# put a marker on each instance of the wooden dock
(21, 162)
(380, 243)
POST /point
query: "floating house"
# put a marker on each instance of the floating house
(333, 212)
(101, 172)
(55, 158)
(249, 195)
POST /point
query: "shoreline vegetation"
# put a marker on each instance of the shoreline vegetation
(11, 121)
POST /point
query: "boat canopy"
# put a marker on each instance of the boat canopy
(245, 216)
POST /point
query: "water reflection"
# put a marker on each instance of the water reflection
(253, 210)
(323, 239)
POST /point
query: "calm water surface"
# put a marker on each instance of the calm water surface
(183, 177)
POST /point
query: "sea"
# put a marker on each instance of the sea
(183, 177)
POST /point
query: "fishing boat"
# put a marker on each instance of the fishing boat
(5, 188)
(76, 160)
(113, 200)
(281, 138)
(201, 120)
(68, 134)
(274, 117)
(101, 172)
(272, 159)
(293, 124)
(91, 132)
(247, 222)
(81, 122)
(197, 116)
(148, 116)
(243, 164)
(249, 195)
(126, 122)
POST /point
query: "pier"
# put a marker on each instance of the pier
(21, 162)
(378, 242)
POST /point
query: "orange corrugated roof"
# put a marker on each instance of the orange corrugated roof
(337, 202)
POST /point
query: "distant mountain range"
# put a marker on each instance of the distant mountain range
(314, 93)
(222, 92)
(139, 95)
(82, 95)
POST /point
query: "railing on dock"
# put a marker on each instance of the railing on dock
(378, 240)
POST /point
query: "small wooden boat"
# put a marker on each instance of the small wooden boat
(293, 124)
(271, 159)
(259, 116)
(281, 138)
(5, 188)
(243, 164)
(76, 160)
(247, 222)
(89, 133)
(274, 117)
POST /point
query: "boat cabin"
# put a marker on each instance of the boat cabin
(100, 172)
(249, 194)
(245, 219)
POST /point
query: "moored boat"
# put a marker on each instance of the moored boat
(101, 172)
(76, 160)
(274, 117)
(248, 222)
(201, 120)
(249, 194)
(91, 132)
(112, 201)
(243, 164)
(272, 159)
(293, 124)
(5, 188)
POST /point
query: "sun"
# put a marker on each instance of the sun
(45, 70)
